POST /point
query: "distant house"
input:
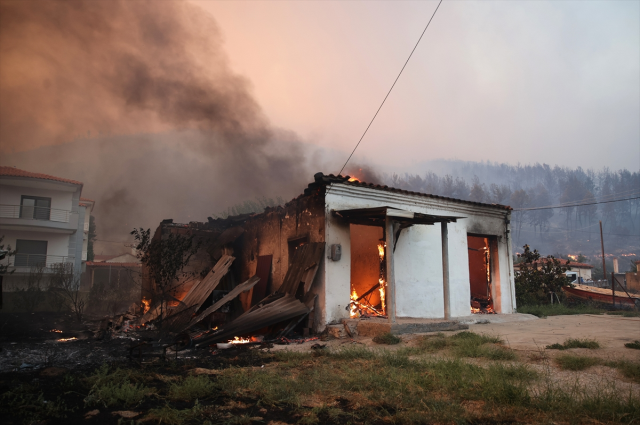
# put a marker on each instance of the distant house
(576, 271)
(45, 219)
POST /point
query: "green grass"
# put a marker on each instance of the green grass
(192, 388)
(635, 345)
(468, 344)
(572, 362)
(387, 339)
(546, 310)
(628, 368)
(591, 344)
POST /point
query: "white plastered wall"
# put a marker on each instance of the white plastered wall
(418, 256)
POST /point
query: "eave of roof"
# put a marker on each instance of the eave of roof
(16, 172)
(105, 264)
(324, 179)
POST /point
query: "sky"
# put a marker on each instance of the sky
(554, 82)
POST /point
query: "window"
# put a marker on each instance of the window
(30, 253)
(35, 207)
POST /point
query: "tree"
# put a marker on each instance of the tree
(64, 287)
(519, 199)
(538, 277)
(5, 254)
(31, 291)
(478, 192)
(164, 259)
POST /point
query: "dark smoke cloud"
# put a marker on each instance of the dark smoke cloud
(137, 99)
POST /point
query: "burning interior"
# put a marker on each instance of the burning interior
(480, 274)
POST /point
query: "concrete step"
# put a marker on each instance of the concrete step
(375, 327)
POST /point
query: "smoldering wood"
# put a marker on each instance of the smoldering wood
(283, 308)
(199, 292)
(245, 286)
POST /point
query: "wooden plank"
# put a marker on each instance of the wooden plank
(263, 271)
(231, 295)
(304, 266)
(201, 291)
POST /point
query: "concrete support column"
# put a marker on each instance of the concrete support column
(391, 280)
(445, 270)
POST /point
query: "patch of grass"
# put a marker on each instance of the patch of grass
(546, 310)
(28, 404)
(468, 344)
(387, 338)
(591, 344)
(628, 368)
(171, 416)
(113, 394)
(571, 362)
(635, 345)
(191, 388)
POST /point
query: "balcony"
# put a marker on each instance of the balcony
(38, 218)
(23, 263)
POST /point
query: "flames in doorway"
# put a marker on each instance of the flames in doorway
(360, 306)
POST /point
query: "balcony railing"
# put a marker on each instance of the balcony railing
(35, 213)
(36, 260)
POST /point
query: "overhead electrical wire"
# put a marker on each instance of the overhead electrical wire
(389, 92)
(575, 205)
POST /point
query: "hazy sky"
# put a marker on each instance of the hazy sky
(521, 81)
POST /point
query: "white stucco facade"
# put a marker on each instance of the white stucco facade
(418, 255)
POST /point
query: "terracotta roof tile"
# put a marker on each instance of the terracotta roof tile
(16, 172)
(86, 199)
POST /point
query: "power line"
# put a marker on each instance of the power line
(574, 205)
(392, 86)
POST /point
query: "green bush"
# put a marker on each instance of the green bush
(571, 362)
(591, 344)
(387, 338)
(191, 388)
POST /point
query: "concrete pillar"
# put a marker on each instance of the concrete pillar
(391, 280)
(445, 270)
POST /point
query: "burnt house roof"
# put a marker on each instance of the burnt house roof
(328, 179)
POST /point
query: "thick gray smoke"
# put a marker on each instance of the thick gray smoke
(137, 100)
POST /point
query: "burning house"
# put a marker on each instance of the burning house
(346, 249)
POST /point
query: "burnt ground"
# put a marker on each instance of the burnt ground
(46, 380)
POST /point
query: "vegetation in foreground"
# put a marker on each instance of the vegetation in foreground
(349, 385)
(591, 344)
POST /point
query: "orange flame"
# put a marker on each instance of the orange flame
(353, 311)
(383, 293)
(381, 251)
(147, 305)
(354, 179)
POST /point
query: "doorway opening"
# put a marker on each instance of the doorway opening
(482, 262)
(368, 272)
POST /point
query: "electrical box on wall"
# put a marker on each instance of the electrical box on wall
(335, 252)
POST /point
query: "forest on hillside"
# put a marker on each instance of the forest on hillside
(564, 231)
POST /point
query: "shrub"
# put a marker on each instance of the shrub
(571, 362)
(387, 338)
(635, 345)
(591, 344)
(192, 387)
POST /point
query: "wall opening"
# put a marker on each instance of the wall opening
(367, 271)
(483, 276)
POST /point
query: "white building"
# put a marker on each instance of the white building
(44, 219)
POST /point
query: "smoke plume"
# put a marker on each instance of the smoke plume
(137, 100)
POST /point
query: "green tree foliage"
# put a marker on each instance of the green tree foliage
(538, 277)
(164, 259)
